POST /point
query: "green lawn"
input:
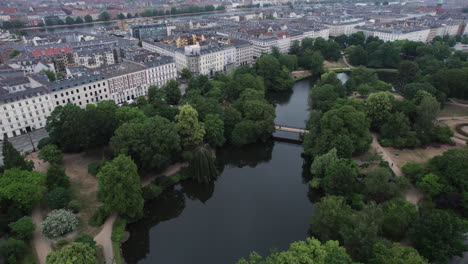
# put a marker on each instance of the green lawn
(453, 110)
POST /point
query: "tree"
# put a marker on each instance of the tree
(120, 16)
(322, 162)
(308, 251)
(79, 20)
(88, 18)
(439, 235)
(76, 253)
(343, 128)
(275, 51)
(378, 107)
(152, 144)
(427, 111)
(399, 216)
(127, 114)
(186, 74)
(69, 20)
(332, 51)
(120, 176)
(244, 133)
(23, 187)
(378, 185)
(100, 122)
(51, 153)
(331, 215)
(295, 48)
(86, 239)
(268, 67)
(341, 177)
(429, 184)
(359, 237)
(214, 130)
(323, 97)
(23, 228)
(202, 165)
(190, 130)
(14, 53)
(56, 177)
(65, 126)
(12, 158)
(172, 92)
(13, 249)
(104, 16)
(57, 198)
(395, 254)
(58, 223)
(312, 60)
(357, 38)
(408, 72)
(289, 61)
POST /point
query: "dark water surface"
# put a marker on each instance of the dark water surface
(259, 202)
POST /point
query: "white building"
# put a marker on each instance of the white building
(343, 27)
(400, 33)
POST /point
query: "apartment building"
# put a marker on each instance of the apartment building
(24, 111)
(339, 27)
(391, 33)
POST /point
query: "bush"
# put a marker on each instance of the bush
(87, 240)
(44, 142)
(56, 177)
(74, 206)
(61, 243)
(51, 153)
(151, 191)
(94, 167)
(58, 223)
(442, 134)
(74, 253)
(99, 216)
(13, 249)
(58, 198)
(23, 228)
(118, 229)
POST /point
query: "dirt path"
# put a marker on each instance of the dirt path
(412, 195)
(39, 242)
(457, 103)
(104, 237)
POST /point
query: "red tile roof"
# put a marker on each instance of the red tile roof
(51, 51)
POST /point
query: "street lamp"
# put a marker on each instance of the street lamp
(30, 139)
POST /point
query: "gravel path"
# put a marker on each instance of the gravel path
(412, 195)
(40, 243)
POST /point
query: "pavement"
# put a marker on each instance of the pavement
(23, 143)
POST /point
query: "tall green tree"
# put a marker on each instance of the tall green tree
(439, 235)
(120, 187)
(24, 187)
(190, 130)
(214, 130)
(104, 16)
(88, 18)
(427, 111)
(378, 107)
(153, 143)
(399, 217)
(12, 158)
(65, 126)
(172, 92)
(341, 177)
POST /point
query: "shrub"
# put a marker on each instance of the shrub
(74, 253)
(74, 206)
(23, 228)
(56, 177)
(61, 243)
(58, 223)
(118, 229)
(13, 249)
(50, 153)
(87, 240)
(94, 167)
(442, 134)
(44, 142)
(98, 218)
(57, 198)
(151, 191)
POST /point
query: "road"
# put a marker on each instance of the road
(23, 143)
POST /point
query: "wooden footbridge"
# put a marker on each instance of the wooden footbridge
(297, 130)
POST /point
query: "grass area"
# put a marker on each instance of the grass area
(298, 75)
(453, 110)
(118, 259)
(118, 230)
(335, 64)
(89, 206)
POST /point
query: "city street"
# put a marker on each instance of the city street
(23, 143)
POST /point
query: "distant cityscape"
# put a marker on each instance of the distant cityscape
(142, 44)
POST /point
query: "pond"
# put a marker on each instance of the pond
(259, 202)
